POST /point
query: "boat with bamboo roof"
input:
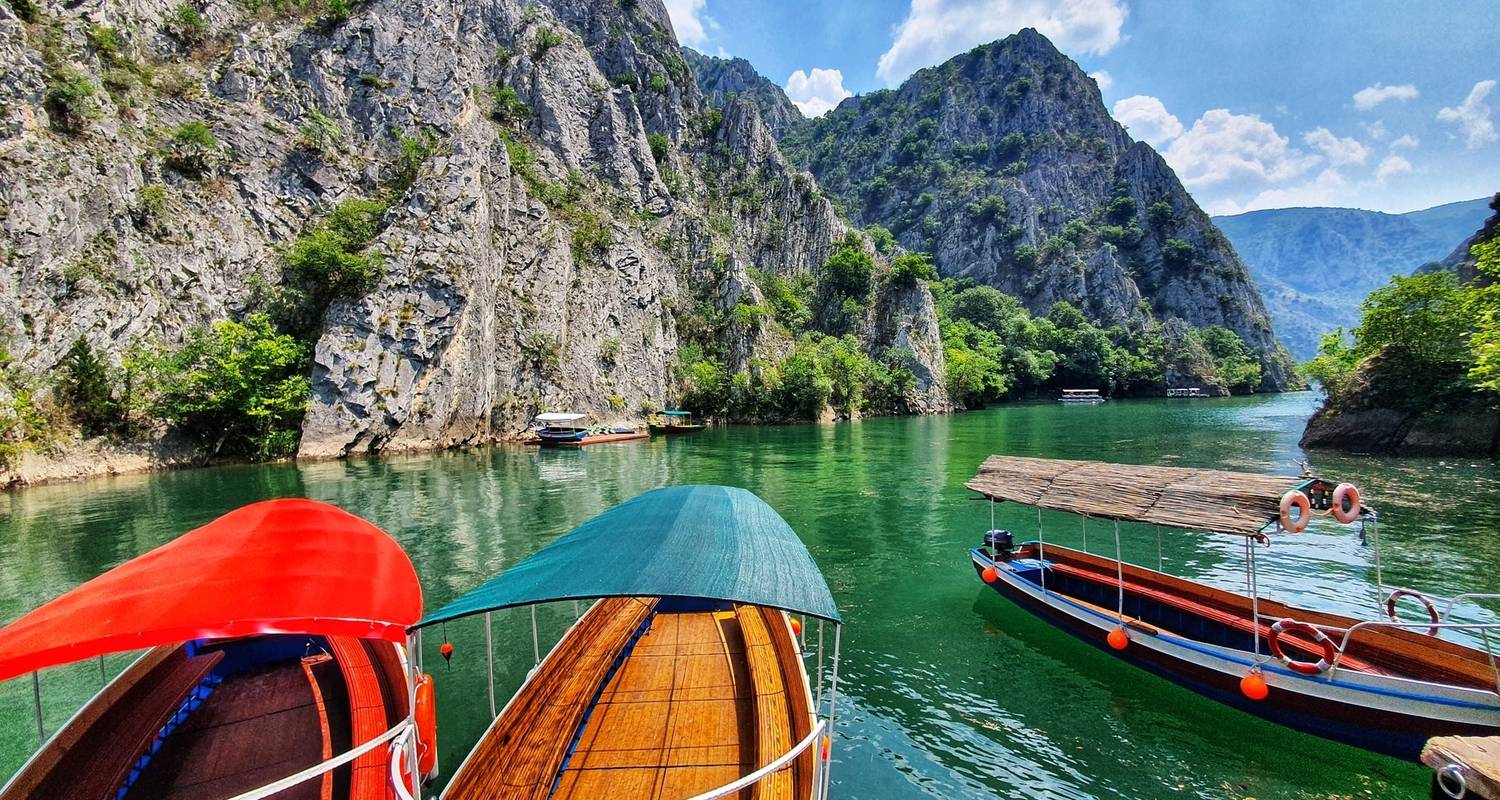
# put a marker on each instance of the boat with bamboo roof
(561, 429)
(274, 665)
(1081, 397)
(1378, 683)
(673, 421)
(685, 678)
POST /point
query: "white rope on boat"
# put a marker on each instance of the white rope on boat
(327, 766)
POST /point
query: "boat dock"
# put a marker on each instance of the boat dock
(1467, 766)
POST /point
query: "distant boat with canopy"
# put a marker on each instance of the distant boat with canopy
(686, 676)
(275, 665)
(1379, 683)
(673, 421)
(1081, 397)
(561, 429)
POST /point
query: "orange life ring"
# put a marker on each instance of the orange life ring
(1346, 493)
(426, 726)
(1432, 612)
(1330, 652)
(1297, 499)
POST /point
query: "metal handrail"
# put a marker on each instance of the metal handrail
(775, 766)
(327, 766)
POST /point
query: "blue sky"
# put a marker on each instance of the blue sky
(1385, 105)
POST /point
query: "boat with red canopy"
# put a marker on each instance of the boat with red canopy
(275, 664)
(1378, 683)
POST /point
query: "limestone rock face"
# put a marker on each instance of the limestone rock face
(531, 260)
(723, 80)
(1004, 164)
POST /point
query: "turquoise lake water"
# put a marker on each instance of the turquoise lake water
(948, 690)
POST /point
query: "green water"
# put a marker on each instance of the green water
(951, 691)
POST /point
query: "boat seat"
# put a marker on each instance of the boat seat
(520, 756)
(1234, 621)
(102, 760)
(773, 721)
(367, 718)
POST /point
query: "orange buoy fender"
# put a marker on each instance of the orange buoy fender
(1298, 500)
(426, 726)
(1346, 503)
(1118, 639)
(1254, 686)
(989, 574)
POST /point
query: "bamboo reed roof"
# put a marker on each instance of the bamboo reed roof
(1179, 497)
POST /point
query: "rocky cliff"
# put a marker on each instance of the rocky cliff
(722, 80)
(1004, 165)
(554, 191)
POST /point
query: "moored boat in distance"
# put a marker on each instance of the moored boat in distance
(1379, 683)
(685, 679)
(276, 667)
(673, 421)
(1081, 397)
(1188, 391)
(561, 429)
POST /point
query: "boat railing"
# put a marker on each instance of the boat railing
(1346, 634)
(398, 736)
(773, 767)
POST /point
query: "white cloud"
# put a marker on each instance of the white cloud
(1104, 79)
(817, 93)
(1473, 116)
(1375, 130)
(1223, 148)
(1372, 96)
(1390, 167)
(1405, 142)
(1326, 189)
(1148, 120)
(691, 21)
(1339, 150)
(935, 30)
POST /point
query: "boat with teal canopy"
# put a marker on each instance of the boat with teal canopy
(688, 677)
(673, 421)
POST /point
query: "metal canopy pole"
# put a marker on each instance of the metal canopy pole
(536, 646)
(412, 758)
(1120, 571)
(1041, 550)
(833, 702)
(818, 706)
(1254, 600)
(1159, 567)
(36, 698)
(489, 660)
(1086, 533)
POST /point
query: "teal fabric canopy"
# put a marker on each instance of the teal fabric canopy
(709, 542)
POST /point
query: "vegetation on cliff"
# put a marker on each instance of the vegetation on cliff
(1427, 348)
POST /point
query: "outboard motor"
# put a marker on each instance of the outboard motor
(1001, 543)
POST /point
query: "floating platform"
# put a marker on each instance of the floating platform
(1467, 766)
(593, 438)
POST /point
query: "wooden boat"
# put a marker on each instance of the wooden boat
(684, 680)
(562, 430)
(275, 666)
(1188, 392)
(672, 421)
(1081, 397)
(1380, 684)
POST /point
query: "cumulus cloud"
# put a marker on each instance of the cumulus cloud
(1147, 119)
(1339, 150)
(1324, 190)
(1104, 79)
(1390, 167)
(935, 30)
(691, 21)
(1372, 96)
(1473, 116)
(1223, 148)
(1405, 142)
(1375, 130)
(816, 93)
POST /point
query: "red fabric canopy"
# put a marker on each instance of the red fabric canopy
(279, 566)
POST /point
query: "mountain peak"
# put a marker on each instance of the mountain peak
(723, 79)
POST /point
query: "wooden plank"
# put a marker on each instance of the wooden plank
(1477, 759)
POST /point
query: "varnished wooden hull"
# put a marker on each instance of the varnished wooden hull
(1374, 710)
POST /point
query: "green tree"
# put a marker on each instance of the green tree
(844, 286)
(805, 387)
(84, 390)
(1484, 309)
(912, 268)
(237, 388)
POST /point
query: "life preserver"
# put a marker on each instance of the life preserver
(1432, 612)
(1346, 493)
(1297, 499)
(426, 715)
(1330, 651)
